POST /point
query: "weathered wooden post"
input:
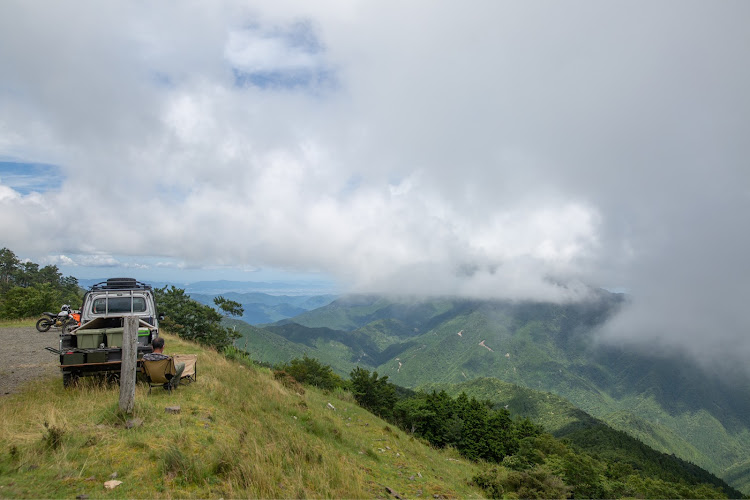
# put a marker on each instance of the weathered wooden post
(129, 364)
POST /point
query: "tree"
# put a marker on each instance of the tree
(26, 290)
(502, 439)
(192, 320)
(8, 267)
(373, 393)
(474, 443)
(230, 307)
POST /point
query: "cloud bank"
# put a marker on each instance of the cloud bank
(489, 150)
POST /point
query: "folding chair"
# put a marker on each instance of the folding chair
(158, 372)
(191, 366)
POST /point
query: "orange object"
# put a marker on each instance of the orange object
(77, 317)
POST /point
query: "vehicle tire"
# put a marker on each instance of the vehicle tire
(69, 379)
(68, 326)
(43, 325)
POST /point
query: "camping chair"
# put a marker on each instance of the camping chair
(190, 373)
(159, 372)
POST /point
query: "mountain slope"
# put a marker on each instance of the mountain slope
(239, 434)
(564, 420)
(666, 401)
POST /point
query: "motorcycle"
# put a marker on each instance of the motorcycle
(67, 319)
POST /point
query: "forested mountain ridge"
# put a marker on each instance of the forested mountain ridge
(666, 402)
(260, 308)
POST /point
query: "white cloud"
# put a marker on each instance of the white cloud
(488, 150)
(59, 260)
(98, 261)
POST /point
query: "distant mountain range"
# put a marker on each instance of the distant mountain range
(264, 308)
(666, 402)
(219, 287)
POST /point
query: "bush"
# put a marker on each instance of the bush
(538, 482)
(312, 372)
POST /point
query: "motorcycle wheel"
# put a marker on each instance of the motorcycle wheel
(68, 326)
(43, 325)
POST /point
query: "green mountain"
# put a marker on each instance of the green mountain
(564, 420)
(667, 402)
(263, 308)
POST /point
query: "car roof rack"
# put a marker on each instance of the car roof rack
(120, 284)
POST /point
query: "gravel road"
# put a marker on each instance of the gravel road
(23, 357)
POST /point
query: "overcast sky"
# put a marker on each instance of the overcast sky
(492, 149)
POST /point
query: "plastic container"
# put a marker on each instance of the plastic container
(114, 339)
(89, 339)
(144, 336)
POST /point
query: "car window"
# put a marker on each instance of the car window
(100, 306)
(119, 305)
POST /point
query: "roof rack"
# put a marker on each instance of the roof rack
(121, 284)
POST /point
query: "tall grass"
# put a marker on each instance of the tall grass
(239, 433)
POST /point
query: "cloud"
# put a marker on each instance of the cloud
(59, 260)
(496, 149)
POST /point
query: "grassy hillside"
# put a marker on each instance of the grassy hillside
(666, 401)
(239, 433)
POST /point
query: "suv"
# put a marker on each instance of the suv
(95, 347)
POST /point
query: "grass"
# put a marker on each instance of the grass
(239, 433)
(18, 323)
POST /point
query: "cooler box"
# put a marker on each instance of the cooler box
(89, 339)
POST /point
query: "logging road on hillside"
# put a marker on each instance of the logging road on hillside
(23, 357)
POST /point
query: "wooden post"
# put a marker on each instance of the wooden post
(129, 364)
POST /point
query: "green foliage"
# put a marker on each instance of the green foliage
(538, 482)
(312, 372)
(27, 290)
(585, 433)
(477, 431)
(230, 307)
(373, 393)
(192, 320)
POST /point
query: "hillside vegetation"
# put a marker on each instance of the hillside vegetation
(662, 399)
(564, 420)
(239, 433)
(27, 290)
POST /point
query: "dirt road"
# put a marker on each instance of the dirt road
(23, 357)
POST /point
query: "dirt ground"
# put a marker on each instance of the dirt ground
(23, 356)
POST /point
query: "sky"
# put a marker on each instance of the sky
(512, 150)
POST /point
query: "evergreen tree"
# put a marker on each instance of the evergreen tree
(192, 320)
(373, 393)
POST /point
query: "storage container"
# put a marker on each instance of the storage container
(76, 358)
(144, 335)
(96, 357)
(89, 339)
(114, 339)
